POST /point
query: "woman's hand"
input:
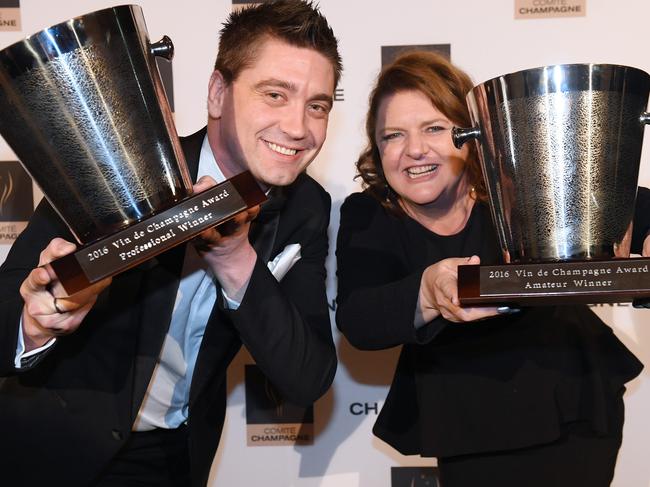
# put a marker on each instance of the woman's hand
(439, 293)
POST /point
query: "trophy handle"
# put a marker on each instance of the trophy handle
(163, 48)
(645, 118)
(460, 136)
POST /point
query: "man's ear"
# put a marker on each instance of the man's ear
(216, 94)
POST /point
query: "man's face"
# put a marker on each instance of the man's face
(272, 119)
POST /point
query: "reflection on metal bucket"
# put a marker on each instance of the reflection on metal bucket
(560, 148)
(84, 110)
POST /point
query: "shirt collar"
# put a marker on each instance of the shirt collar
(207, 163)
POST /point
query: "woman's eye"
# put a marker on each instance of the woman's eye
(390, 136)
(435, 128)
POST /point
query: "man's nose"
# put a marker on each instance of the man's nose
(294, 122)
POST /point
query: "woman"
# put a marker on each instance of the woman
(523, 399)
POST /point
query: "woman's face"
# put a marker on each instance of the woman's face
(418, 157)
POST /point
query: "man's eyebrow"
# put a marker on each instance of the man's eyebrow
(323, 97)
(276, 83)
(289, 86)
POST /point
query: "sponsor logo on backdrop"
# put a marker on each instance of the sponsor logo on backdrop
(414, 477)
(364, 408)
(339, 94)
(270, 420)
(9, 15)
(167, 76)
(16, 200)
(389, 53)
(542, 9)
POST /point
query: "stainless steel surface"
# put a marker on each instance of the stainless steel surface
(461, 136)
(560, 148)
(84, 109)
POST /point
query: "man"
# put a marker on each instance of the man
(124, 383)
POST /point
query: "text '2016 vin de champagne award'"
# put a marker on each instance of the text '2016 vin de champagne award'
(84, 109)
(560, 150)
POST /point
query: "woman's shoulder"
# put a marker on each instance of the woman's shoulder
(362, 212)
(362, 203)
(365, 207)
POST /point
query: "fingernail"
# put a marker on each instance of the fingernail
(507, 310)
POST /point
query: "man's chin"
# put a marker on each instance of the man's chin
(280, 179)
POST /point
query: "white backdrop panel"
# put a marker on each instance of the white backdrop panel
(486, 41)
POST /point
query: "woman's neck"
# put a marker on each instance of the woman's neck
(445, 217)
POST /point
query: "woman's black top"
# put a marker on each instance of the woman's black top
(497, 384)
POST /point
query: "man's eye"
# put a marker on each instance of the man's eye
(273, 95)
(319, 109)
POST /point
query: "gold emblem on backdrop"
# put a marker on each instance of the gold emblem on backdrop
(16, 201)
(542, 9)
(10, 15)
(270, 419)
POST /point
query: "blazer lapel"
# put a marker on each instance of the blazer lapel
(264, 228)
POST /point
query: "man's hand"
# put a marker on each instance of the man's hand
(439, 293)
(48, 312)
(226, 248)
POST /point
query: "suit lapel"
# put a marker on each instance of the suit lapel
(264, 228)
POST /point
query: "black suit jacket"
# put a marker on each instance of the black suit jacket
(65, 417)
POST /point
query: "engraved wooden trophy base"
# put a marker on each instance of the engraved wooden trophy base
(156, 234)
(604, 281)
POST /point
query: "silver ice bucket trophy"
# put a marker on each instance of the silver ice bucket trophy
(83, 107)
(560, 148)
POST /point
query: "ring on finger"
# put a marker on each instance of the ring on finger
(56, 306)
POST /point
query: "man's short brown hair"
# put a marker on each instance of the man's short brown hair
(298, 23)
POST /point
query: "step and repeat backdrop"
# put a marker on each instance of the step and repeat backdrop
(268, 442)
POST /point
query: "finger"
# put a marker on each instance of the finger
(450, 291)
(37, 281)
(252, 213)
(452, 313)
(83, 298)
(233, 225)
(646, 247)
(204, 182)
(57, 248)
(67, 324)
(477, 313)
(445, 305)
